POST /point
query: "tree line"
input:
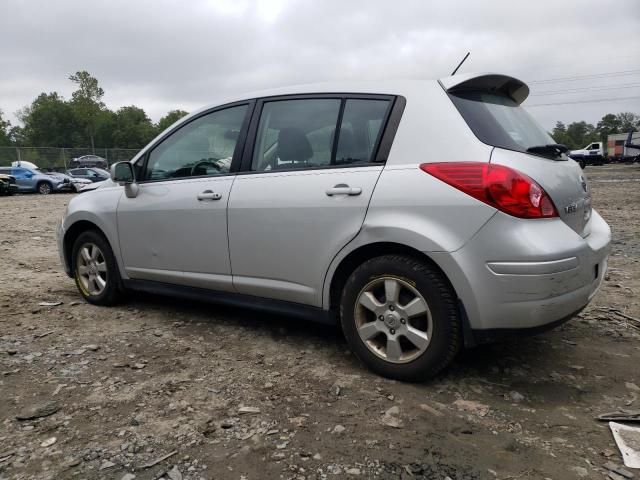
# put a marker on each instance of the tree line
(580, 134)
(82, 121)
(85, 121)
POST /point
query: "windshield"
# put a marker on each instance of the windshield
(499, 121)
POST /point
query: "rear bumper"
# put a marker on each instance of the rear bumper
(527, 274)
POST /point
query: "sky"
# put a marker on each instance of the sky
(581, 56)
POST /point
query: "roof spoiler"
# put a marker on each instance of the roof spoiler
(487, 82)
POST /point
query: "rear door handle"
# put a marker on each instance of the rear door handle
(209, 195)
(343, 189)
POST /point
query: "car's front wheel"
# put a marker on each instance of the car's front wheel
(44, 188)
(95, 269)
(400, 317)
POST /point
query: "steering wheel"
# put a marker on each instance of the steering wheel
(202, 163)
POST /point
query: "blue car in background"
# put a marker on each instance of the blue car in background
(29, 179)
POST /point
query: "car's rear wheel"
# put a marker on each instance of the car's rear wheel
(95, 269)
(44, 188)
(400, 317)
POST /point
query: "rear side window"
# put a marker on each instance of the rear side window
(301, 133)
(295, 134)
(499, 121)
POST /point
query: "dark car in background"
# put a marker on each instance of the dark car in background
(93, 174)
(7, 184)
(88, 161)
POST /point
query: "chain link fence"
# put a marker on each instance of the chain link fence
(57, 159)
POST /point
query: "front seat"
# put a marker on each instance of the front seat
(293, 147)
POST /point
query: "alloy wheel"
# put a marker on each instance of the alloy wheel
(393, 319)
(91, 269)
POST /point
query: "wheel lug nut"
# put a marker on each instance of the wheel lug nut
(403, 321)
(392, 308)
(381, 318)
(392, 331)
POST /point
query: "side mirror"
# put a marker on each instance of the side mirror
(122, 173)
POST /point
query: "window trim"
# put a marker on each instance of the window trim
(237, 154)
(381, 149)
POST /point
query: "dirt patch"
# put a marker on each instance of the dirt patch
(126, 387)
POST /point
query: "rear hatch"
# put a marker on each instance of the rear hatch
(490, 104)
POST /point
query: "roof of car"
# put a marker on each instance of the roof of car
(405, 88)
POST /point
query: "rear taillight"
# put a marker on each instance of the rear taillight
(501, 187)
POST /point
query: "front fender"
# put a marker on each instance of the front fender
(98, 207)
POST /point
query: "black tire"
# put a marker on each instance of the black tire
(112, 292)
(446, 334)
(44, 188)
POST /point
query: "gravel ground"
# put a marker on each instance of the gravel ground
(159, 388)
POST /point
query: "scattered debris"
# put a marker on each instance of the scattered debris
(628, 440)
(4, 456)
(516, 396)
(470, 406)
(106, 464)
(621, 415)
(48, 442)
(431, 410)
(174, 473)
(49, 304)
(44, 334)
(338, 429)
(158, 460)
(248, 410)
(39, 411)
(390, 417)
(618, 470)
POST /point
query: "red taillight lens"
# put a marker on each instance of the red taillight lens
(501, 187)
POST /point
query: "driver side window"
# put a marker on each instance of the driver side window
(202, 147)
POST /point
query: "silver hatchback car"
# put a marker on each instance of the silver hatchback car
(424, 217)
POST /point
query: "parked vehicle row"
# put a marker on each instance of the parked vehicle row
(26, 177)
(346, 202)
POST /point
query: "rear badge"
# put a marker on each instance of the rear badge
(573, 208)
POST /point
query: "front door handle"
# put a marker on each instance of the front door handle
(209, 195)
(343, 189)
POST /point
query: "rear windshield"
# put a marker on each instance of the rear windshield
(499, 121)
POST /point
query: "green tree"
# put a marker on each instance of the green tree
(580, 134)
(629, 122)
(169, 119)
(133, 128)
(49, 121)
(608, 125)
(559, 133)
(87, 103)
(106, 123)
(5, 132)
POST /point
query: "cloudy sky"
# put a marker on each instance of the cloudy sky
(167, 54)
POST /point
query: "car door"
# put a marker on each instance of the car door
(24, 179)
(303, 192)
(175, 229)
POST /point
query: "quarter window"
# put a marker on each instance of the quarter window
(204, 146)
(361, 124)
